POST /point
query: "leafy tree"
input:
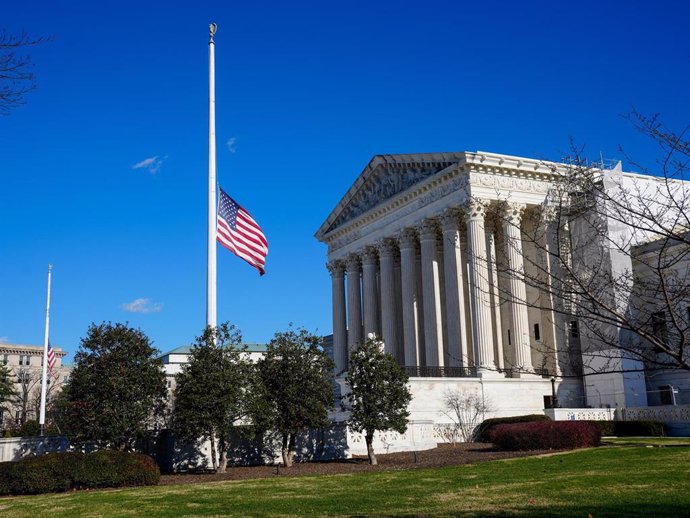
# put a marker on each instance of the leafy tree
(211, 392)
(16, 76)
(115, 388)
(293, 387)
(8, 394)
(379, 395)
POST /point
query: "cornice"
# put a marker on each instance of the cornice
(31, 350)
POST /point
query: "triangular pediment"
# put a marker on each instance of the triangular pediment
(383, 178)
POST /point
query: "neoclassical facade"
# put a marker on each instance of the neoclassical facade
(417, 251)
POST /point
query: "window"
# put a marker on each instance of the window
(537, 334)
(6, 357)
(659, 325)
(24, 359)
(574, 329)
(509, 342)
(666, 395)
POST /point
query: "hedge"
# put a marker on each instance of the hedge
(551, 435)
(630, 428)
(57, 472)
(483, 431)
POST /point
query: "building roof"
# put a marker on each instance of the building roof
(248, 347)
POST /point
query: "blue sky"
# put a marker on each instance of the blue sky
(307, 92)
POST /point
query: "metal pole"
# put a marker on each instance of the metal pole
(211, 250)
(44, 370)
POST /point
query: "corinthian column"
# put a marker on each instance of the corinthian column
(433, 322)
(410, 296)
(354, 303)
(482, 333)
(455, 302)
(370, 292)
(512, 218)
(337, 270)
(387, 253)
(495, 298)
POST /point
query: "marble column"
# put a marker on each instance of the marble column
(482, 332)
(495, 297)
(431, 285)
(455, 300)
(354, 303)
(337, 270)
(512, 219)
(387, 253)
(410, 295)
(555, 275)
(370, 292)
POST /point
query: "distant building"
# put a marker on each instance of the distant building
(174, 360)
(25, 364)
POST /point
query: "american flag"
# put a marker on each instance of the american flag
(51, 357)
(239, 233)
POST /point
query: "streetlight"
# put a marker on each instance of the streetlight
(554, 399)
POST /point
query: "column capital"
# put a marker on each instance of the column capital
(387, 247)
(513, 212)
(475, 208)
(428, 230)
(450, 219)
(407, 238)
(369, 256)
(352, 263)
(336, 268)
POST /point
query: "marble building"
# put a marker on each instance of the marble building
(413, 257)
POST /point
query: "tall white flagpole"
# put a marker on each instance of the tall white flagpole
(44, 375)
(211, 251)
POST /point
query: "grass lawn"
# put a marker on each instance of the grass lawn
(628, 481)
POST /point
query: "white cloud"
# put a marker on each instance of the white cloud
(231, 144)
(4, 340)
(143, 306)
(152, 164)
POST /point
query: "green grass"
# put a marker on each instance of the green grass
(629, 481)
(646, 441)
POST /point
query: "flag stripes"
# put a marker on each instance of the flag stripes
(240, 233)
(51, 358)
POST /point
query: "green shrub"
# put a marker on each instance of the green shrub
(56, 472)
(483, 431)
(646, 428)
(552, 435)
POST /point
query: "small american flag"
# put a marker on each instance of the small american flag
(51, 357)
(239, 233)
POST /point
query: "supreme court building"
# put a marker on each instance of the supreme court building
(413, 255)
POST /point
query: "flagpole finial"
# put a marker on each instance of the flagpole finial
(212, 31)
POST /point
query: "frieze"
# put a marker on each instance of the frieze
(509, 183)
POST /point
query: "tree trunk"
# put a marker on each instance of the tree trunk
(214, 459)
(287, 458)
(370, 448)
(223, 447)
(291, 448)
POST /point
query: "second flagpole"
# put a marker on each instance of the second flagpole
(211, 313)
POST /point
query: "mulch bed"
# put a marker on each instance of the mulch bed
(443, 455)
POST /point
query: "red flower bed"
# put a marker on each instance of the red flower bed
(545, 435)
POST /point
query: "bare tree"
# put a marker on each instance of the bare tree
(606, 260)
(466, 409)
(16, 70)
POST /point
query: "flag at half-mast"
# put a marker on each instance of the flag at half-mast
(51, 357)
(238, 232)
